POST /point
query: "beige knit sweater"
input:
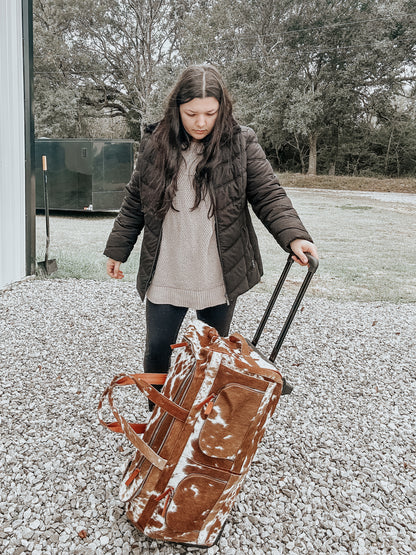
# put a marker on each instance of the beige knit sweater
(188, 271)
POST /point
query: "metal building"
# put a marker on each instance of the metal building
(17, 184)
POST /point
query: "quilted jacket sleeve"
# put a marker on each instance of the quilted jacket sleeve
(268, 199)
(129, 222)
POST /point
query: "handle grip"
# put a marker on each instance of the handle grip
(313, 263)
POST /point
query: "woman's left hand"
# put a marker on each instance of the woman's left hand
(299, 247)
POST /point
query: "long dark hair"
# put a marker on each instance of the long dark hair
(170, 138)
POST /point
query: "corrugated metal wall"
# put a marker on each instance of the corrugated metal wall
(12, 145)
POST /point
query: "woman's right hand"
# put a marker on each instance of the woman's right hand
(113, 269)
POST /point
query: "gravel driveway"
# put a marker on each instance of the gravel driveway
(335, 473)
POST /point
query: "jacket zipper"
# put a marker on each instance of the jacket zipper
(152, 272)
(221, 260)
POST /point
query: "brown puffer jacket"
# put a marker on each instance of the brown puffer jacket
(243, 176)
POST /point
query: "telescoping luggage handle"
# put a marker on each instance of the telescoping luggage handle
(313, 266)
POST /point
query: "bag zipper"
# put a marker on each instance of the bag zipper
(168, 493)
(180, 393)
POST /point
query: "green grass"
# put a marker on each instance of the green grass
(77, 243)
(366, 246)
(366, 251)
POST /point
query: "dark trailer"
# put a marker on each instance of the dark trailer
(84, 174)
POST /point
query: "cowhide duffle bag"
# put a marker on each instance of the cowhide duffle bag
(203, 433)
(195, 450)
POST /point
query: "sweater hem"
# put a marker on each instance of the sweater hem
(197, 300)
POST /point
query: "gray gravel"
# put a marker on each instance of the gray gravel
(335, 473)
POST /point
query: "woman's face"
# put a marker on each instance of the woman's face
(199, 116)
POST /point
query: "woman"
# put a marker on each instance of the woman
(196, 172)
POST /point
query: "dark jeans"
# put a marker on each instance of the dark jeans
(163, 322)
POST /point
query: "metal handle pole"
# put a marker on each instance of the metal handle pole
(272, 301)
(313, 266)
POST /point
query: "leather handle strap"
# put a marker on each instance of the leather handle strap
(131, 431)
(155, 379)
(245, 349)
(115, 427)
(138, 442)
(142, 382)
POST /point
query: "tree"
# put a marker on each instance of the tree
(118, 54)
(128, 53)
(306, 69)
(325, 42)
(315, 78)
(58, 110)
